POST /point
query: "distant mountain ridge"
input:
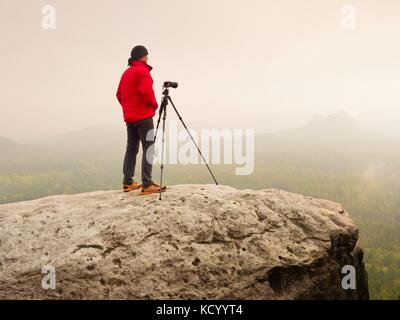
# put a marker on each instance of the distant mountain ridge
(340, 121)
(7, 143)
(337, 131)
(88, 137)
(334, 131)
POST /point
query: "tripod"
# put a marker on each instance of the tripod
(163, 114)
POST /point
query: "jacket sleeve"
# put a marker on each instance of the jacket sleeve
(119, 93)
(146, 90)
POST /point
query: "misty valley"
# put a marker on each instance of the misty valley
(330, 158)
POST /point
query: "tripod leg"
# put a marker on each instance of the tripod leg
(162, 150)
(158, 124)
(162, 109)
(194, 142)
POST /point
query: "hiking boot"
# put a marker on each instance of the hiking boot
(131, 187)
(152, 188)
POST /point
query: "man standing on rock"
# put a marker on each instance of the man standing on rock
(136, 96)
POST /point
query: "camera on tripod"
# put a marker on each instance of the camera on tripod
(170, 84)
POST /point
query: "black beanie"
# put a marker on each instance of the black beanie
(137, 53)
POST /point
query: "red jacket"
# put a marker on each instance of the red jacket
(135, 93)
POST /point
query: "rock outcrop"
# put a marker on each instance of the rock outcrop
(199, 242)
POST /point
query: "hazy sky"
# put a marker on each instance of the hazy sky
(260, 64)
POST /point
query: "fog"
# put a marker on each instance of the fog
(262, 64)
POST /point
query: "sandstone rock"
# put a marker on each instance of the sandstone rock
(199, 242)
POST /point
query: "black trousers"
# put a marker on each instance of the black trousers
(141, 131)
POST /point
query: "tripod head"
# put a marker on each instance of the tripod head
(165, 92)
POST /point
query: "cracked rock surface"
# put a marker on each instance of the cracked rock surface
(199, 242)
